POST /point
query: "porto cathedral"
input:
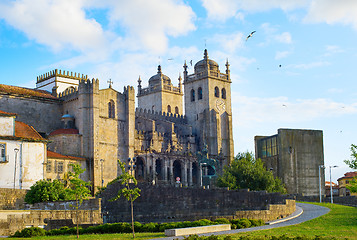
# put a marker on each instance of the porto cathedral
(158, 140)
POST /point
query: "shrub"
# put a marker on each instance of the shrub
(150, 227)
(30, 232)
(244, 223)
(222, 221)
(256, 222)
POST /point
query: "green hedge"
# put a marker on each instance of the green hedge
(124, 227)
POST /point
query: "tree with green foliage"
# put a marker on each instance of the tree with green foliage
(77, 189)
(46, 191)
(125, 178)
(352, 163)
(246, 172)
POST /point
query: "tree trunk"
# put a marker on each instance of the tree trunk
(132, 215)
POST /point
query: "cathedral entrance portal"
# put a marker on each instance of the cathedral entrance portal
(177, 170)
(139, 171)
(194, 173)
(158, 167)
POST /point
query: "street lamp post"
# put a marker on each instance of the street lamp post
(16, 150)
(320, 167)
(331, 183)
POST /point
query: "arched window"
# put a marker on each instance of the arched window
(168, 108)
(176, 110)
(192, 95)
(216, 92)
(199, 92)
(223, 93)
(111, 109)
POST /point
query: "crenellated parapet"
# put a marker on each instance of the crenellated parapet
(69, 94)
(60, 73)
(88, 86)
(175, 118)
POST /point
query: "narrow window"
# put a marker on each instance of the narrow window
(216, 92)
(111, 109)
(192, 95)
(168, 108)
(176, 110)
(2, 152)
(60, 167)
(49, 166)
(223, 93)
(199, 93)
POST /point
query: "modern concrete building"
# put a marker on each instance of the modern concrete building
(294, 155)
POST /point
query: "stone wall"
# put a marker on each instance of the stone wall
(167, 203)
(11, 199)
(11, 221)
(275, 211)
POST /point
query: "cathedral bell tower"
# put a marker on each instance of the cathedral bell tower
(208, 108)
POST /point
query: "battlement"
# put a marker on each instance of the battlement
(60, 73)
(175, 118)
(212, 74)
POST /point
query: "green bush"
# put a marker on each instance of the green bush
(150, 227)
(256, 222)
(244, 223)
(222, 221)
(30, 232)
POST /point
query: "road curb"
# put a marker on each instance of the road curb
(295, 214)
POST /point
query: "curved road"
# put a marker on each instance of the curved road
(304, 212)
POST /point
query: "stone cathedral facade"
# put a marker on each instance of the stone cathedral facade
(103, 125)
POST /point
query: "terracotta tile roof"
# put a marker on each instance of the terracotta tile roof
(2, 113)
(28, 92)
(327, 183)
(348, 175)
(64, 131)
(22, 130)
(51, 154)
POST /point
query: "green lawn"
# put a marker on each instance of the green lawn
(340, 222)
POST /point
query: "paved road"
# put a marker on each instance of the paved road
(304, 212)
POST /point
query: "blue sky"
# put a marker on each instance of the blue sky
(297, 71)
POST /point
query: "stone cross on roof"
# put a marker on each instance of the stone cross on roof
(110, 82)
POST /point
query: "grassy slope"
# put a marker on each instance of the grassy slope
(340, 222)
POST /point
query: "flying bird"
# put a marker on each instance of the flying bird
(250, 35)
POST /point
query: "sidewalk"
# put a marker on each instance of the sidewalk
(303, 212)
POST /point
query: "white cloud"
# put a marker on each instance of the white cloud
(54, 23)
(280, 55)
(230, 42)
(225, 9)
(145, 25)
(332, 49)
(285, 37)
(332, 12)
(150, 22)
(309, 65)
(252, 111)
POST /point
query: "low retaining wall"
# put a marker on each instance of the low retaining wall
(274, 212)
(12, 199)
(11, 221)
(197, 230)
(169, 204)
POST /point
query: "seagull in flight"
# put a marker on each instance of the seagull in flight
(250, 35)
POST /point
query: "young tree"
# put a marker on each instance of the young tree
(77, 189)
(247, 172)
(352, 186)
(129, 193)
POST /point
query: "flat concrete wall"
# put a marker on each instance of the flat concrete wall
(168, 204)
